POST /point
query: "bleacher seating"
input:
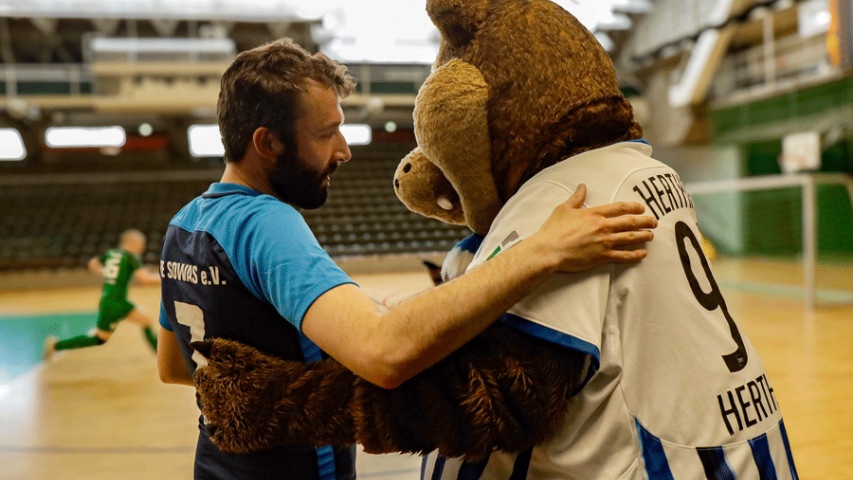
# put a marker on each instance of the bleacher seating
(56, 221)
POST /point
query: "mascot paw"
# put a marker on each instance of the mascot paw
(231, 389)
(253, 401)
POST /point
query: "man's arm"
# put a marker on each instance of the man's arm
(387, 349)
(170, 362)
(95, 265)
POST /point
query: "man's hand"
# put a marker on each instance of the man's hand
(95, 265)
(588, 237)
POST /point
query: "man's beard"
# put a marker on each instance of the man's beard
(298, 185)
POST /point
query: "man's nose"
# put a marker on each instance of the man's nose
(345, 154)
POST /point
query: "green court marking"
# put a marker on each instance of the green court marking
(22, 339)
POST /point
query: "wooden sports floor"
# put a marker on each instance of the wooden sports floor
(101, 412)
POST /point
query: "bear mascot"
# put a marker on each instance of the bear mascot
(618, 372)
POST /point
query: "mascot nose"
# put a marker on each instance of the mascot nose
(406, 169)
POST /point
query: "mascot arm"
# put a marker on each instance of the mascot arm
(503, 390)
(253, 401)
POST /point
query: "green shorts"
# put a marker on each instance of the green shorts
(112, 311)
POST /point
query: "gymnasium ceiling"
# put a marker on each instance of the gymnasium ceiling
(394, 38)
(43, 31)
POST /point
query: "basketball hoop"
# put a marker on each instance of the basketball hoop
(800, 152)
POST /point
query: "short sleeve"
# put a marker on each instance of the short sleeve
(164, 320)
(134, 262)
(283, 263)
(568, 309)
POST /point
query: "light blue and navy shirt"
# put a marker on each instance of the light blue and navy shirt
(244, 266)
(676, 391)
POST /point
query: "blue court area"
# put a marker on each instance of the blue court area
(22, 339)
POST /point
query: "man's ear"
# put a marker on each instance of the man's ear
(267, 144)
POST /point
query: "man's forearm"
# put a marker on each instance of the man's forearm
(387, 349)
(95, 265)
(170, 362)
(430, 326)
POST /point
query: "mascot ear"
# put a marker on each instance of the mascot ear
(458, 20)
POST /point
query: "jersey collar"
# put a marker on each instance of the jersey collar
(218, 190)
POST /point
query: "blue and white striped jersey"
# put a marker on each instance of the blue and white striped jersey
(677, 391)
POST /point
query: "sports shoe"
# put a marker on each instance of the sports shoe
(49, 347)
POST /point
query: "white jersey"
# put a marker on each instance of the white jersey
(678, 391)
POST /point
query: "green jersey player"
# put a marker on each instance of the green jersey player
(118, 267)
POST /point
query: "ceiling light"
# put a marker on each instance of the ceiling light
(357, 134)
(12, 147)
(205, 141)
(85, 137)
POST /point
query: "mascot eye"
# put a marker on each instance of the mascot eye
(407, 168)
(397, 184)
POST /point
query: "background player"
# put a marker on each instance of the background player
(118, 266)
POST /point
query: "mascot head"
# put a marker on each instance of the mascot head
(518, 86)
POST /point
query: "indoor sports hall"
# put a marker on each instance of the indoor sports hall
(108, 122)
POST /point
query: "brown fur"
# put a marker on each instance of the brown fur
(254, 408)
(503, 390)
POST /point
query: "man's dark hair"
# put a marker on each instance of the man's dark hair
(261, 89)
